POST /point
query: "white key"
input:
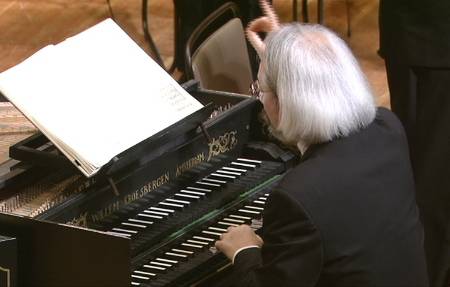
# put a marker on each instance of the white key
(155, 267)
(259, 202)
(249, 211)
(140, 277)
(243, 164)
(178, 201)
(176, 254)
(162, 209)
(254, 207)
(192, 245)
(135, 284)
(207, 183)
(144, 273)
(234, 169)
(199, 189)
(240, 217)
(134, 225)
(234, 220)
(182, 251)
(223, 175)
(227, 223)
(140, 221)
(212, 233)
(174, 204)
(149, 215)
(125, 230)
(197, 242)
(249, 160)
(214, 180)
(204, 238)
(167, 260)
(119, 234)
(187, 196)
(193, 192)
(229, 172)
(160, 264)
(156, 212)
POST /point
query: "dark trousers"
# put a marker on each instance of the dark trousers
(420, 96)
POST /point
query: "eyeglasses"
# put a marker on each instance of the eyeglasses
(255, 91)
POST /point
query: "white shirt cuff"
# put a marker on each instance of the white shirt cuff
(243, 248)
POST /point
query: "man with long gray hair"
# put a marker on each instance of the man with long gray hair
(346, 215)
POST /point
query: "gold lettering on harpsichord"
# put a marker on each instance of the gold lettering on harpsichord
(222, 144)
(190, 163)
(108, 210)
(116, 205)
(153, 184)
(80, 220)
(131, 197)
(160, 181)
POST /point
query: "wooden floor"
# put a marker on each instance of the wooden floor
(28, 25)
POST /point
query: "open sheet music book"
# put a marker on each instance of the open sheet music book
(96, 94)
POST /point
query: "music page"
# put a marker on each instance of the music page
(96, 94)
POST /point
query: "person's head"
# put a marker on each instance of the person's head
(312, 87)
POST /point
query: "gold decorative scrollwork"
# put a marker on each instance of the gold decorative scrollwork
(222, 144)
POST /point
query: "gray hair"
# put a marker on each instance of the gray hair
(322, 92)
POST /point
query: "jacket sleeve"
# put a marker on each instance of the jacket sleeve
(292, 250)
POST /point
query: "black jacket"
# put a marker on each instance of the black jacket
(345, 216)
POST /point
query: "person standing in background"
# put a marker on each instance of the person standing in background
(415, 44)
